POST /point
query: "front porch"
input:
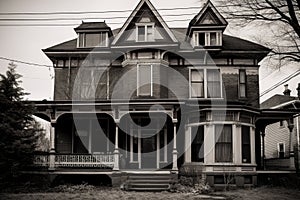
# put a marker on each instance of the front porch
(113, 140)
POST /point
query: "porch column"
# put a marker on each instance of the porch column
(116, 151)
(263, 148)
(291, 144)
(52, 146)
(175, 153)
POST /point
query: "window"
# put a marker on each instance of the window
(208, 38)
(144, 80)
(223, 147)
(93, 39)
(145, 33)
(246, 145)
(197, 83)
(281, 150)
(205, 83)
(197, 144)
(242, 83)
(213, 83)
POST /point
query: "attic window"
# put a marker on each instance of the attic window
(93, 39)
(210, 38)
(145, 32)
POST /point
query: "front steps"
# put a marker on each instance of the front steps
(149, 181)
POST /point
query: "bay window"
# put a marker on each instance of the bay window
(246, 145)
(197, 144)
(223, 147)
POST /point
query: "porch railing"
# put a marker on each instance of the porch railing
(75, 160)
(41, 160)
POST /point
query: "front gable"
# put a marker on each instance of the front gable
(144, 25)
(209, 15)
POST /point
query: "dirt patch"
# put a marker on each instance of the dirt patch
(87, 192)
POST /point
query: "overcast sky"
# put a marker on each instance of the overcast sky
(25, 42)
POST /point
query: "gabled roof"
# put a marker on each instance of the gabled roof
(133, 15)
(277, 100)
(209, 9)
(230, 43)
(92, 25)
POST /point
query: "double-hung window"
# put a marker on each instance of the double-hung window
(144, 80)
(197, 144)
(145, 32)
(197, 83)
(246, 145)
(242, 83)
(205, 83)
(223, 147)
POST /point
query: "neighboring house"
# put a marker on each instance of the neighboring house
(199, 86)
(282, 138)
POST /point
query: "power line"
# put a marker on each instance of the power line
(26, 63)
(92, 12)
(73, 24)
(85, 18)
(280, 83)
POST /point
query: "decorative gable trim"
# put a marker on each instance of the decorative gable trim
(209, 5)
(133, 14)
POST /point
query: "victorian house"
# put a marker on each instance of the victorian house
(154, 100)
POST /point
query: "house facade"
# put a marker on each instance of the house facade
(150, 98)
(282, 138)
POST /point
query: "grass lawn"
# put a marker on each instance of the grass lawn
(264, 193)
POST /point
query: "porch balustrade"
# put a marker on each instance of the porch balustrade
(74, 160)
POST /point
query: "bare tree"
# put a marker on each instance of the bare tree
(282, 15)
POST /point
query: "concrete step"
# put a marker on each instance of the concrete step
(148, 182)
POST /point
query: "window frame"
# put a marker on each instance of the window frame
(82, 36)
(217, 142)
(242, 83)
(278, 150)
(205, 85)
(246, 145)
(138, 80)
(207, 38)
(200, 130)
(145, 25)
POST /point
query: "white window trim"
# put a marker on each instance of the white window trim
(278, 148)
(205, 82)
(83, 42)
(207, 38)
(239, 87)
(146, 32)
(138, 80)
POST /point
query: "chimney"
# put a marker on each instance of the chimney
(287, 91)
(298, 89)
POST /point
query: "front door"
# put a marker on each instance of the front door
(148, 151)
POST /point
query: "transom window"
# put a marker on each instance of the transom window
(145, 32)
(205, 83)
(144, 80)
(93, 39)
(208, 38)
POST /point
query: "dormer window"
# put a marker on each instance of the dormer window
(145, 32)
(99, 39)
(208, 38)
